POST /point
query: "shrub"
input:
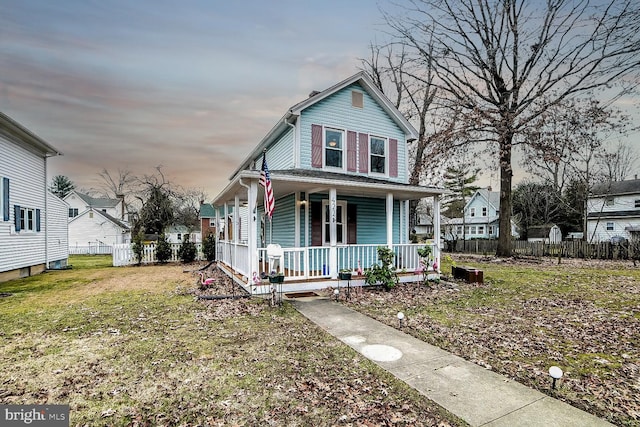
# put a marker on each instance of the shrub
(137, 247)
(385, 273)
(209, 247)
(187, 251)
(163, 249)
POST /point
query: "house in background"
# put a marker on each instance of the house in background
(613, 211)
(548, 233)
(338, 174)
(33, 225)
(207, 216)
(176, 234)
(96, 224)
(481, 217)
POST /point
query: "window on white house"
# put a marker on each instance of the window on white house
(341, 222)
(466, 230)
(333, 148)
(610, 226)
(609, 201)
(459, 230)
(27, 219)
(179, 236)
(73, 212)
(636, 203)
(481, 229)
(473, 229)
(472, 212)
(491, 230)
(377, 148)
(484, 211)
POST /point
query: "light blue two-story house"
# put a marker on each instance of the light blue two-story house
(338, 164)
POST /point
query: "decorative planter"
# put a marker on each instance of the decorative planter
(344, 275)
(276, 279)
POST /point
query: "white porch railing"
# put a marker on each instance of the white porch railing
(123, 254)
(313, 262)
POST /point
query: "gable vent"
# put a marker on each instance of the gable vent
(357, 99)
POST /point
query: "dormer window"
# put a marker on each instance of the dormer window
(333, 148)
(378, 158)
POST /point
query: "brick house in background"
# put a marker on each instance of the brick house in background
(207, 217)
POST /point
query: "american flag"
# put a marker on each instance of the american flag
(265, 181)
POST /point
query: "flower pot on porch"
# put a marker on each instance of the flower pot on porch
(276, 279)
(346, 275)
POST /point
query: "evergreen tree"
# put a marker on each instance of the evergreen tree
(209, 247)
(187, 251)
(163, 249)
(61, 186)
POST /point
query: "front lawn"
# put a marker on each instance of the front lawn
(132, 346)
(583, 316)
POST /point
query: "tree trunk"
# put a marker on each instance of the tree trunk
(506, 175)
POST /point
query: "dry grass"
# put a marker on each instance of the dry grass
(132, 346)
(531, 314)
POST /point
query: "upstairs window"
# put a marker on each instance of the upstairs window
(609, 201)
(377, 156)
(333, 148)
(472, 212)
(484, 211)
(636, 203)
(73, 212)
(609, 226)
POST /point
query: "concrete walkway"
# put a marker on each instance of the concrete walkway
(477, 395)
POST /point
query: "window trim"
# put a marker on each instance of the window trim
(73, 211)
(610, 226)
(326, 240)
(472, 211)
(342, 149)
(385, 156)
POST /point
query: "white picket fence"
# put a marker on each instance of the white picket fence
(123, 254)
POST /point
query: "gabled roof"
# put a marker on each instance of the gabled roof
(96, 202)
(294, 112)
(630, 186)
(492, 198)
(105, 215)
(206, 211)
(16, 132)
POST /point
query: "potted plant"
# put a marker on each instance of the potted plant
(344, 274)
(276, 277)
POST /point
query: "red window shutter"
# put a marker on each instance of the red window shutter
(364, 152)
(316, 146)
(351, 151)
(393, 157)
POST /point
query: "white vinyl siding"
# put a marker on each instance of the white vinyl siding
(25, 171)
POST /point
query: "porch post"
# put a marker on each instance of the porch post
(390, 220)
(333, 239)
(236, 228)
(252, 232)
(436, 229)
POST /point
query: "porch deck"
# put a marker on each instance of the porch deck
(314, 268)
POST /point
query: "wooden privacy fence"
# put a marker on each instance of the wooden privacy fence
(569, 249)
(123, 254)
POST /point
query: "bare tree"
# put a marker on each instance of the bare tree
(505, 62)
(618, 164)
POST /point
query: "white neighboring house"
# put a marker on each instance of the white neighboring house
(33, 225)
(613, 210)
(481, 217)
(95, 222)
(176, 233)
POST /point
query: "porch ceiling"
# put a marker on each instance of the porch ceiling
(310, 181)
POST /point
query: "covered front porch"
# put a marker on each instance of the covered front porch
(322, 224)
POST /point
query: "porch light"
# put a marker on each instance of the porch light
(400, 316)
(555, 373)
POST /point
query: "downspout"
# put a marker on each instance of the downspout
(46, 219)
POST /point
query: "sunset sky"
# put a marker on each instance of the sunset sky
(192, 86)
